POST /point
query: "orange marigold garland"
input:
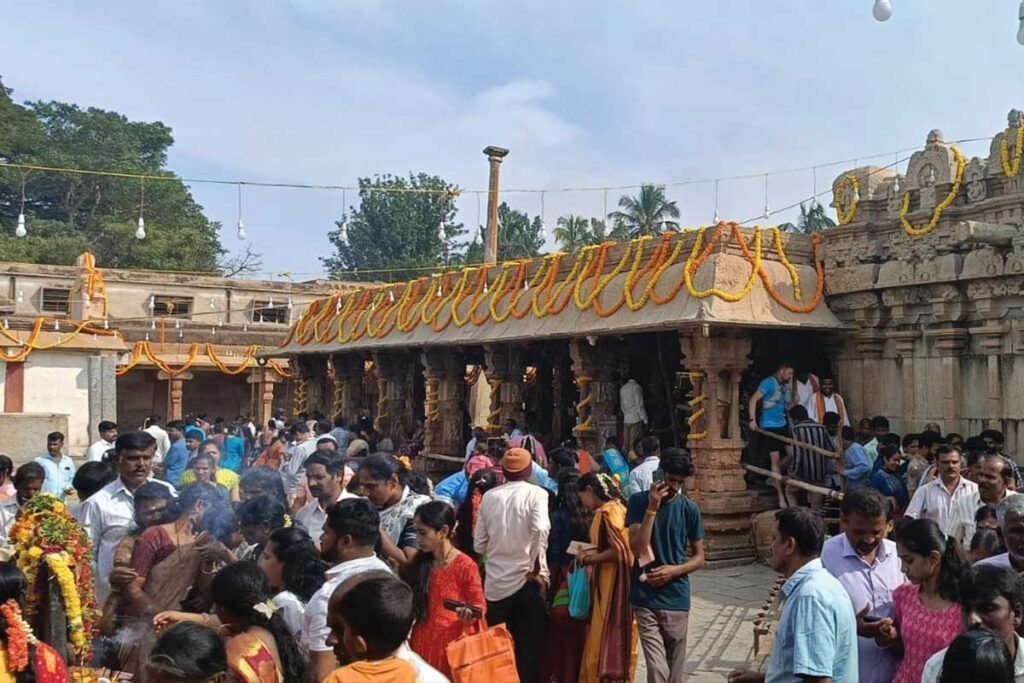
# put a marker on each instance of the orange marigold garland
(18, 634)
(46, 533)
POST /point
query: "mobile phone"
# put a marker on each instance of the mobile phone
(871, 620)
(659, 476)
(454, 605)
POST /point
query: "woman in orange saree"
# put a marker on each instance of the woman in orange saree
(610, 650)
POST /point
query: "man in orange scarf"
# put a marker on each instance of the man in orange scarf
(831, 402)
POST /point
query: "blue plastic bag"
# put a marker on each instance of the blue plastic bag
(579, 592)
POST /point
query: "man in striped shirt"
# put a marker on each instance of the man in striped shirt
(806, 465)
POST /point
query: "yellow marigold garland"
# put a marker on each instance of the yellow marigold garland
(908, 227)
(1012, 169)
(77, 637)
(845, 216)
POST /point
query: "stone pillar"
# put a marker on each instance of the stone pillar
(905, 342)
(950, 344)
(175, 410)
(312, 391)
(594, 367)
(445, 374)
(989, 341)
(264, 378)
(716, 363)
(394, 394)
(347, 390)
(869, 344)
(102, 391)
(505, 368)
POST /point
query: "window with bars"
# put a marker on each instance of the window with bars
(177, 306)
(54, 300)
(264, 312)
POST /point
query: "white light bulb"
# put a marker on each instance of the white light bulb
(213, 331)
(152, 325)
(896, 185)
(140, 233)
(106, 324)
(1020, 30)
(181, 334)
(882, 10)
(289, 303)
(485, 286)
(261, 317)
(270, 302)
(7, 324)
(177, 324)
(220, 322)
(526, 285)
(856, 194)
(241, 229)
(245, 327)
(147, 336)
(767, 211)
(21, 296)
(56, 325)
(152, 303)
(716, 219)
(20, 231)
(391, 297)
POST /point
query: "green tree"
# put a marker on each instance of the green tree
(646, 213)
(813, 219)
(573, 233)
(519, 237)
(396, 231)
(69, 213)
(599, 232)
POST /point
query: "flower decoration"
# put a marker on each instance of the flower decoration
(19, 636)
(46, 533)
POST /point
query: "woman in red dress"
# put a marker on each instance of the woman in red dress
(437, 573)
(22, 657)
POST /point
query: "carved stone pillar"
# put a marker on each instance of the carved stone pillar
(990, 341)
(594, 367)
(347, 396)
(175, 410)
(949, 344)
(445, 374)
(264, 378)
(905, 342)
(312, 392)
(716, 364)
(394, 394)
(869, 345)
(505, 368)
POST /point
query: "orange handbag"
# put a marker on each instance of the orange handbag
(483, 654)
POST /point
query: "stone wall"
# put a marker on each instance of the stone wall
(935, 315)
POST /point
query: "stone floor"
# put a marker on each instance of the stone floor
(721, 634)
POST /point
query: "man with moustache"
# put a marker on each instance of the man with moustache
(992, 474)
(946, 500)
(1011, 524)
(109, 514)
(992, 598)
(865, 562)
(325, 472)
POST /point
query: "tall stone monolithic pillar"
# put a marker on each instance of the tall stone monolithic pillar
(445, 373)
(505, 369)
(594, 367)
(717, 363)
(314, 383)
(175, 390)
(264, 378)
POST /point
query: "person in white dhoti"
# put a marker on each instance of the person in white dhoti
(829, 401)
(806, 391)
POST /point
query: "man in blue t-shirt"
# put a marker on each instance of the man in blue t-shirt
(663, 526)
(773, 395)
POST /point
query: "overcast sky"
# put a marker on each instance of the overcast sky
(583, 93)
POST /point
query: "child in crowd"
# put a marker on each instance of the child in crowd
(370, 619)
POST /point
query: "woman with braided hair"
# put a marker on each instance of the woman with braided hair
(609, 653)
(23, 659)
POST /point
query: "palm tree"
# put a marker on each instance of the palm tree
(573, 233)
(645, 214)
(599, 232)
(813, 219)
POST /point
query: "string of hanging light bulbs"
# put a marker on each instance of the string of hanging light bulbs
(882, 11)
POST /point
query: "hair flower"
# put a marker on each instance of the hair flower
(266, 608)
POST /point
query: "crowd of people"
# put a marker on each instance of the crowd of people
(311, 552)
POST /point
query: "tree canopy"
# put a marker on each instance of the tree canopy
(68, 213)
(647, 213)
(813, 219)
(519, 236)
(402, 228)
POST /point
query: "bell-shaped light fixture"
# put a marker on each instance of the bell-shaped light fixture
(140, 231)
(882, 10)
(20, 231)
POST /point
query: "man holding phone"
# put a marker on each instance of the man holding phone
(664, 524)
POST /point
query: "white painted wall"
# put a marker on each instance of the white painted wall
(3, 378)
(58, 382)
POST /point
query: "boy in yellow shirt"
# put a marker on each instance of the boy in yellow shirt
(369, 621)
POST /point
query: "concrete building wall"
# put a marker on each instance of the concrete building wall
(23, 435)
(58, 382)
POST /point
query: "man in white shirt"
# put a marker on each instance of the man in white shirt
(163, 440)
(1011, 524)
(350, 533)
(829, 401)
(108, 433)
(642, 476)
(992, 475)
(634, 417)
(806, 390)
(512, 531)
(324, 476)
(990, 597)
(60, 468)
(302, 446)
(109, 514)
(949, 499)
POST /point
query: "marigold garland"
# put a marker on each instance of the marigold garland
(698, 400)
(1012, 169)
(18, 635)
(908, 227)
(45, 532)
(845, 216)
(471, 295)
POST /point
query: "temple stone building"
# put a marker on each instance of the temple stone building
(920, 322)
